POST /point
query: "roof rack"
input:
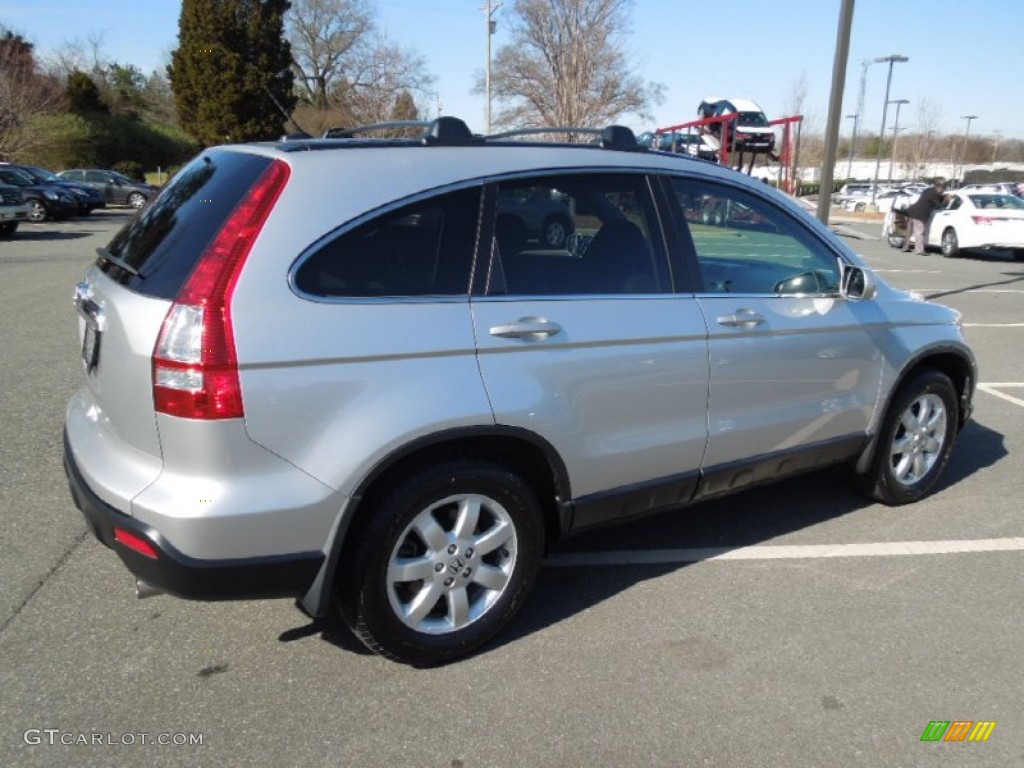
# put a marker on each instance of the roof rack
(613, 137)
(445, 130)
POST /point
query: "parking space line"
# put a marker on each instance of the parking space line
(784, 552)
(991, 389)
(993, 325)
(911, 271)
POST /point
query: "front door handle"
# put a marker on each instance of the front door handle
(742, 318)
(533, 328)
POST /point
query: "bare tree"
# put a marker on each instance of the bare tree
(566, 66)
(325, 37)
(347, 70)
(927, 143)
(25, 93)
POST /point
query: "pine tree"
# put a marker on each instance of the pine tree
(230, 53)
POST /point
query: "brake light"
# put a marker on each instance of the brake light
(195, 368)
(982, 219)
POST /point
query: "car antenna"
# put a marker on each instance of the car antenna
(284, 113)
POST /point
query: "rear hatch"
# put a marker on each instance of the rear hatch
(122, 304)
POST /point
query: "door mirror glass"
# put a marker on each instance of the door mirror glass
(858, 283)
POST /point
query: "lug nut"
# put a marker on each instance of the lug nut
(469, 552)
(505, 553)
(466, 572)
(438, 567)
(452, 549)
(449, 581)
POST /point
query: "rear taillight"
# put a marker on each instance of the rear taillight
(195, 368)
(982, 219)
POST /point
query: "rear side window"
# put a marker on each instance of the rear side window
(422, 249)
(164, 242)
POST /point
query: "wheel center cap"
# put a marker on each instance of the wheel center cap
(456, 564)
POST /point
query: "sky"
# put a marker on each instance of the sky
(965, 56)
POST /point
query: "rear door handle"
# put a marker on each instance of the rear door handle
(742, 318)
(533, 328)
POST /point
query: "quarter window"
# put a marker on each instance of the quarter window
(422, 249)
(745, 245)
(576, 235)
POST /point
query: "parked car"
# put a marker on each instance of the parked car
(323, 368)
(692, 143)
(13, 210)
(978, 221)
(45, 201)
(116, 188)
(87, 199)
(749, 132)
(541, 212)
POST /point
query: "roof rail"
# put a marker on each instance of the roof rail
(445, 130)
(613, 137)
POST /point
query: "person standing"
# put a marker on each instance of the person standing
(920, 212)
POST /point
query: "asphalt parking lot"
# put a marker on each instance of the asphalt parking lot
(796, 625)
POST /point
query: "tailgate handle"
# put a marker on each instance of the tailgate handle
(742, 318)
(533, 328)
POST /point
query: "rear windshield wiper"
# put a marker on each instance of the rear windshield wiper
(117, 261)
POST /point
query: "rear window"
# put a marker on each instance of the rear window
(164, 242)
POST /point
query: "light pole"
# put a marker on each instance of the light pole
(853, 138)
(895, 130)
(893, 59)
(967, 132)
(492, 25)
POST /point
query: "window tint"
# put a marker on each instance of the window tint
(576, 235)
(423, 249)
(97, 176)
(164, 242)
(745, 245)
(72, 175)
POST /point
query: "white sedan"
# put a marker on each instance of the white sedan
(978, 220)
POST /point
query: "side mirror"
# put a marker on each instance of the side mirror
(858, 283)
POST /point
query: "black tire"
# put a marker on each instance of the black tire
(906, 466)
(950, 244)
(37, 211)
(555, 231)
(136, 199)
(1018, 254)
(461, 610)
(8, 228)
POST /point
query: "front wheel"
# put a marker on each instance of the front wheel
(37, 211)
(8, 228)
(136, 199)
(1018, 254)
(916, 440)
(950, 244)
(443, 562)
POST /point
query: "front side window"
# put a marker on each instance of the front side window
(745, 245)
(73, 175)
(578, 234)
(422, 249)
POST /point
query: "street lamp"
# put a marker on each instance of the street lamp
(853, 138)
(893, 59)
(492, 25)
(895, 130)
(967, 132)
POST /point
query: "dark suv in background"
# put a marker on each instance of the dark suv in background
(86, 198)
(115, 187)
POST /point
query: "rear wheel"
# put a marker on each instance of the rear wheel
(443, 563)
(554, 232)
(8, 228)
(136, 199)
(1018, 254)
(950, 244)
(915, 442)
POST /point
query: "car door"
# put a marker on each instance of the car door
(104, 182)
(794, 372)
(586, 346)
(950, 215)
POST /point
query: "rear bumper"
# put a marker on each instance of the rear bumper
(178, 574)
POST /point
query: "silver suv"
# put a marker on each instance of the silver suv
(340, 370)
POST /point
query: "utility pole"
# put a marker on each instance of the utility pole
(893, 59)
(835, 108)
(860, 106)
(492, 25)
(895, 131)
(967, 132)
